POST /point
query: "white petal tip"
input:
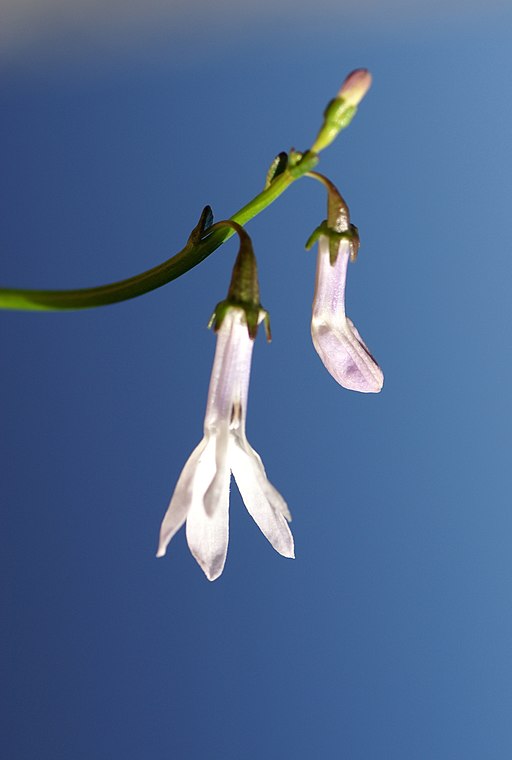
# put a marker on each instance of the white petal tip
(378, 381)
(285, 548)
(286, 553)
(163, 543)
(212, 575)
(212, 567)
(375, 387)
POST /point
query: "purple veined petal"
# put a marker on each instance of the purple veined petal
(373, 366)
(346, 357)
(181, 499)
(251, 481)
(208, 535)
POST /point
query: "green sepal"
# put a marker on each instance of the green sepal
(254, 315)
(355, 242)
(337, 116)
(277, 167)
(219, 314)
(204, 223)
(352, 234)
(314, 236)
(266, 324)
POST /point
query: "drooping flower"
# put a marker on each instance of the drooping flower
(336, 339)
(201, 496)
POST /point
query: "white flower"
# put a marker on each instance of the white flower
(338, 343)
(201, 496)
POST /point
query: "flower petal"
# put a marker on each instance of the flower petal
(181, 499)
(259, 497)
(215, 490)
(208, 535)
(274, 497)
(346, 356)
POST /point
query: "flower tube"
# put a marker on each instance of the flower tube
(336, 339)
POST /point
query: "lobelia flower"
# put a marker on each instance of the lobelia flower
(337, 341)
(201, 496)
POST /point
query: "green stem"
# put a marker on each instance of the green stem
(338, 215)
(182, 262)
(192, 254)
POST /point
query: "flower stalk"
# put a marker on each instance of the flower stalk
(193, 253)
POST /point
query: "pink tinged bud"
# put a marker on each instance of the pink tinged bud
(201, 496)
(355, 87)
(338, 343)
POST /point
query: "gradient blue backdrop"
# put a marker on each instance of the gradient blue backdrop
(390, 635)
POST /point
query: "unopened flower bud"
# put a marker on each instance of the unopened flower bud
(341, 110)
(355, 87)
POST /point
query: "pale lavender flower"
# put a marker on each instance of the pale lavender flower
(338, 343)
(201, 496)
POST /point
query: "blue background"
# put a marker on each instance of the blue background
(390, 635)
